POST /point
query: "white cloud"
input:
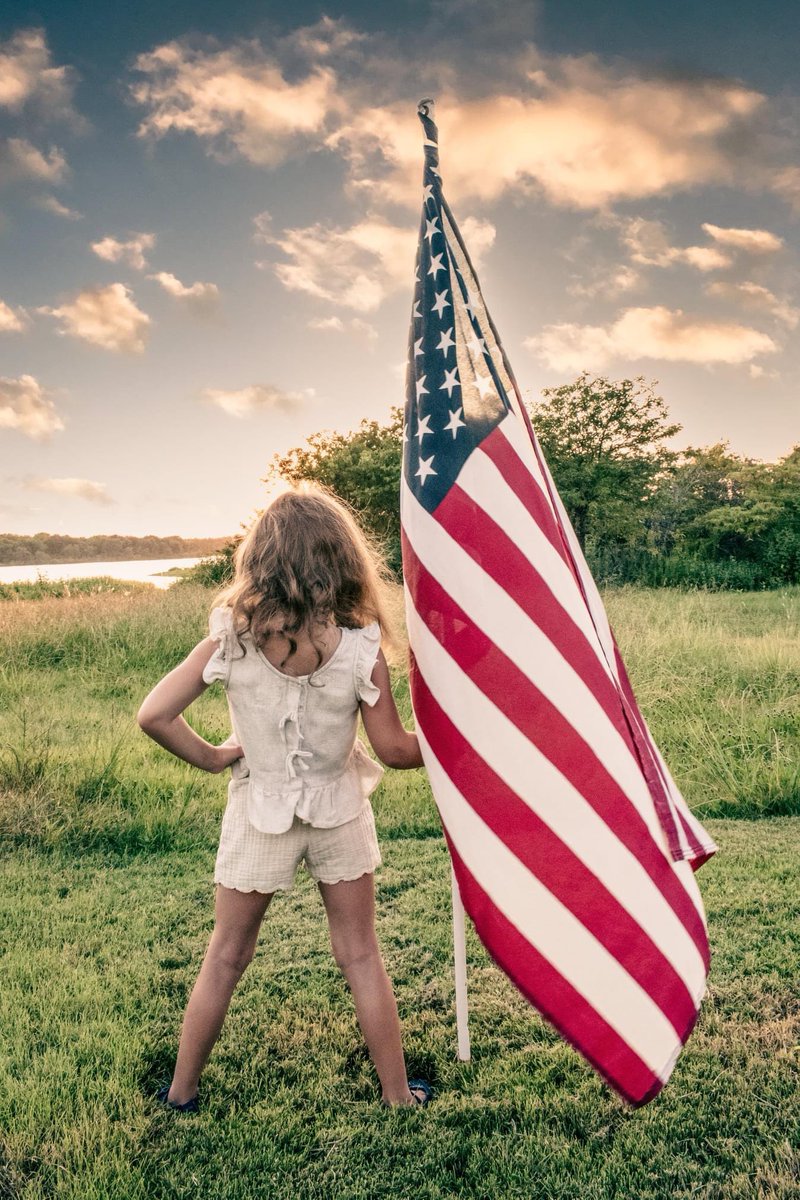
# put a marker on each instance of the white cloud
(28, 79)
(85, 489)
(26, 407)
(756, 297)
(658, 333)
(53, 205)
(751, 241)
(201, 297)
(648, 244)
(237, 100)
(131, 252)
(256, 398)
(21, 160)
(357, 267)
(12, 320)
(104, 316)
(337, 325)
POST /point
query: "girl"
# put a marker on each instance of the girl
(296, 642)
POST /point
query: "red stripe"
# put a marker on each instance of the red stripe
(557, 1000)
(557, 867)
(519, 477)
(495, 552)
(546, 728)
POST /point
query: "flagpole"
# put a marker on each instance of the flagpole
(460, 963)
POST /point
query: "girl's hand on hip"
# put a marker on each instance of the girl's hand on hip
(224, 755)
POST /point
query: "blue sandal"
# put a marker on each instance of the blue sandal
(189, 1106)
(422, 1086)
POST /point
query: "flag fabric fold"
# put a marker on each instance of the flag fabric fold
(573, 848)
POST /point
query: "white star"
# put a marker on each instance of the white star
(418, 347)
(421, 389)
(477, 345)
(455, 423)
(428, 194)
(436, 264)
(440, 304)
(425, 469)
(451, 380)
(446, 341)
(431, 230)
(405, 432)
(416, 312)
(485, 386)
(423, 427)
(470, 302)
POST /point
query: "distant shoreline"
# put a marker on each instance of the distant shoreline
(55, 549)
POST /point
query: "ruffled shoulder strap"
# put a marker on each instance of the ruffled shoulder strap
(367, 647)
(220, 628)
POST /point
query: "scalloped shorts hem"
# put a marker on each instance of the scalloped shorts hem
(251, 861)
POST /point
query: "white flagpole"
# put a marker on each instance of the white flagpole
(460, 962)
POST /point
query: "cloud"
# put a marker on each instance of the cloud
(130, 252)
(26, 407)
(86, 489)
(337, 325)
(751, 241)
(607, 282)
(356, 267)
(756, 297)
(12, 320)
(579, 133)
(53, 205)
(201, 297)
(258, 397)
(639, 333)
(104, 316)
(236, 99)
(21, 160)
(648, 244)
(29, 81)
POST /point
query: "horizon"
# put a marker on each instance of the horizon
(208, 219)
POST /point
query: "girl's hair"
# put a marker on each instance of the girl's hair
(306, 558)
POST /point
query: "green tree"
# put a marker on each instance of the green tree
(604, 443)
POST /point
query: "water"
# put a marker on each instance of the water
(140, 569)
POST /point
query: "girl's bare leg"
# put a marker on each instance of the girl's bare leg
(231, 948)
(350, 906)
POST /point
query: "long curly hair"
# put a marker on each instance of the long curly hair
(306, 561)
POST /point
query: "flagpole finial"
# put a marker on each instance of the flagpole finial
(425, 114)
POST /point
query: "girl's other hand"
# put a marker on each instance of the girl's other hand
(225, 754)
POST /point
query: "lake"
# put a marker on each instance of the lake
(143, 570)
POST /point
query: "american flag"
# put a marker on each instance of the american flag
(573, 849)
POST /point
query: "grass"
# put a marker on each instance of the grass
(106, 907)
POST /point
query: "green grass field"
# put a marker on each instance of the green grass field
(106, 903)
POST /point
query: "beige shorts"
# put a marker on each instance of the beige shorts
(251, 861)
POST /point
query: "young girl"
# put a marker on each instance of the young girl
(296, 642)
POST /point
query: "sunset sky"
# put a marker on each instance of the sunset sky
(209, 212)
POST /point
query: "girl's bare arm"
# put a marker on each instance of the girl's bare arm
(160, 714)
(394, 745)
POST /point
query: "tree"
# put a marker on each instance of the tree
(363, 467)
(603, 442)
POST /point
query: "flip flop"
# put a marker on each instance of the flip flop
(422, 1086)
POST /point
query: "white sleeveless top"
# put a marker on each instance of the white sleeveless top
(301, 750)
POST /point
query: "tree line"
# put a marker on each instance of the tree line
(18, 550)
(643, 513)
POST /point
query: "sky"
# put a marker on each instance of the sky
(209, 215)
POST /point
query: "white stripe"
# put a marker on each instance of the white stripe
(511, 629)
(552, 929)
(549, 794)
(483, 482)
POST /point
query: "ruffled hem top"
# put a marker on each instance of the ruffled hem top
(299, 733)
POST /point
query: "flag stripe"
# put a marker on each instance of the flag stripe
(547, 924)
(557, 1000)
(551, 860)
(580, 801)
(489, 606)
